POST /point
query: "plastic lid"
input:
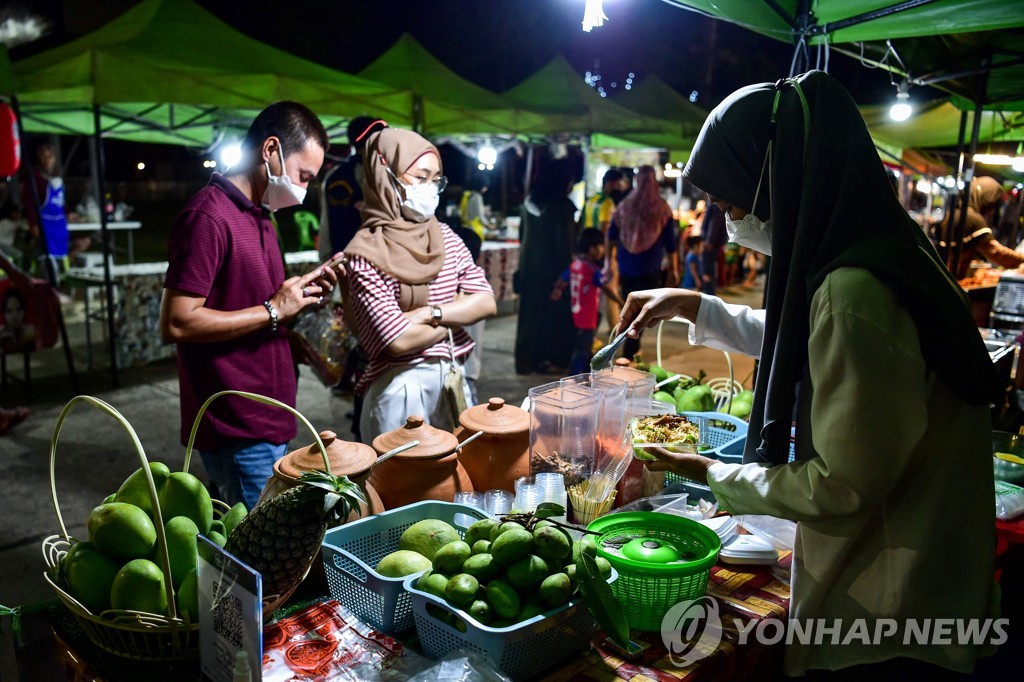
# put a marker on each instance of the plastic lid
(434, 442)
(495, 418)
(748, 549)
(346, 458)
(724, 526)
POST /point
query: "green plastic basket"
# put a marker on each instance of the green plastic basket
(646, 590)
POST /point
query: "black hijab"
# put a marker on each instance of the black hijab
(831, 206)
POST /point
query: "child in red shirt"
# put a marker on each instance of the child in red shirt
(585, 284)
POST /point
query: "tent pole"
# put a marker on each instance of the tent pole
(51, 274)
(108, 284)
(954, 197)
(529, 170)
(969, 174)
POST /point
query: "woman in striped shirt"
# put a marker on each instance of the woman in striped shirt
(410, 281)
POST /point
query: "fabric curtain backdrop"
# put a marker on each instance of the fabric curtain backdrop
(642, 214)
(823, 221)
(411, 251)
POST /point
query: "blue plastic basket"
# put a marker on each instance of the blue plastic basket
(521, 650)
(352, 551)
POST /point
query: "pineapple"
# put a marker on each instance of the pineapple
(280, 537)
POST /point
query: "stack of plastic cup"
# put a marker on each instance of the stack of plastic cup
(498, 502)
(552, 486)
(528, 494)
(471, 499)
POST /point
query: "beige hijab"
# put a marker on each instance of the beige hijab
(411, 251)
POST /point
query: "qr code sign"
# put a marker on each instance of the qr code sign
(227, 623)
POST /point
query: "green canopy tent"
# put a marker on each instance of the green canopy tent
(935, 124)
(170, 71)
(972, 48)
(654, 98)
(571, 106)
(441, 102)
(846, 21)
(174, 52)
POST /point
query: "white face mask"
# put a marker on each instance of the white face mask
(421, 199)
(750, 231)
(280, 192)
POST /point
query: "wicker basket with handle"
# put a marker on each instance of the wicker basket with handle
(136, 634)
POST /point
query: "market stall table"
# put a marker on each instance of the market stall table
(53, 643)
(500, 260)
(138, 289)
(128, 226)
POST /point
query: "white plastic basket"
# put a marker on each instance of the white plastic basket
(351, 552)
(521, 651)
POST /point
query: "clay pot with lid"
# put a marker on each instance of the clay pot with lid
(347, 459)
(428, 471)
(500, 456)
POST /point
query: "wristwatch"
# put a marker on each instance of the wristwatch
(274, 318)
(435, 316)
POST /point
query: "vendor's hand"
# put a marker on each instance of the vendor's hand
(300, 292)
(646, 308)
(689, 466)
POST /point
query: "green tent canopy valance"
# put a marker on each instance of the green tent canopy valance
(845, 21)
(173, 52)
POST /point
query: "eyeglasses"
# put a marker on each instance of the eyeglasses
(440, 182)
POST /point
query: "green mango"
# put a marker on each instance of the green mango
(233, 517)
(659, 373)
(181, 533)
(696, 399)
(185, 495)
(745, 395)
(740, 408)
(665, 397)
(135, 489)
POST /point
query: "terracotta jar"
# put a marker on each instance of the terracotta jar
(428, 471)
(500, 456)
(347, 459)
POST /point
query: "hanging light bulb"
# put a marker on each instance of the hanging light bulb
(901, 109)
(487, 155)
(593, 15)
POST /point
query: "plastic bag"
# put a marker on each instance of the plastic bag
(1009, 501)
(325, 340)
(780, 532)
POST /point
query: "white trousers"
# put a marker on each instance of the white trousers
(405, 391)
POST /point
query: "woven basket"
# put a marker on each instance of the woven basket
(136, 634)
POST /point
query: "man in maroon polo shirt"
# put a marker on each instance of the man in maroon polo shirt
(226, 298)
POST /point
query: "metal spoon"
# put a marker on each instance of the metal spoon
(603, 358)
(391, 453)
(469, 440)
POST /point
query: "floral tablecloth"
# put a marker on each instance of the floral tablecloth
(500, 260)
(742, 592)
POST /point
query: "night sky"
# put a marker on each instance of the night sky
(495, 43)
